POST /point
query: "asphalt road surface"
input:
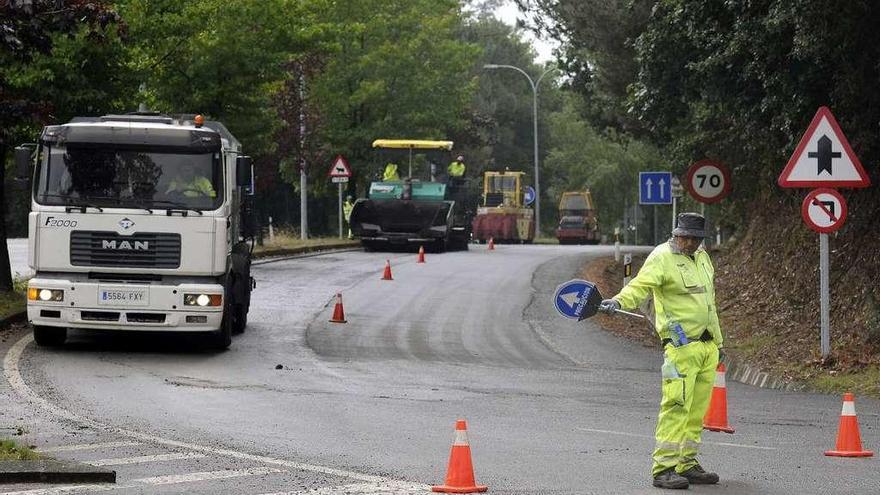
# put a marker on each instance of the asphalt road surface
(553, 406)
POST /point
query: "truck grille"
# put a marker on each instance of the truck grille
(141, 250)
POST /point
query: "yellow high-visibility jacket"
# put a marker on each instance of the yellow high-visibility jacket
(346, 210)
(390, 173)
(197, 186)
(683, 290)
(455, 169)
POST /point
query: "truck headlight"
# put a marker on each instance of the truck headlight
(202, 300)
(35, 294)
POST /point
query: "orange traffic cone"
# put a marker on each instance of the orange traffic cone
(338, 312)
(387, 274)
(716, 417)
(460, 474)
(491, 244)
(849, 443)
(421, 254)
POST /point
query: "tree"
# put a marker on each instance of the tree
(397, 69)
(32, 30)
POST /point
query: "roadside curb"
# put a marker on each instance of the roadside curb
(742, 372)
(281, 254)
(52, 471)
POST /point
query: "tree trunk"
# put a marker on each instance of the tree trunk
(5, 269)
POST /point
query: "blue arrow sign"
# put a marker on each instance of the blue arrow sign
(529, 195)
(572, 297)
(655, 188)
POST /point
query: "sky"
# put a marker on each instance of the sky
(507, 13)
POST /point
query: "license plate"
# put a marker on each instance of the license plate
(124, 297)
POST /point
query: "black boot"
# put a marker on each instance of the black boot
(698, 476)
(670, 479)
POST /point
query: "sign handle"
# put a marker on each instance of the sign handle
(824, 303)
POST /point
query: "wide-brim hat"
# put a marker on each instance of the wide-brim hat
(690, 225)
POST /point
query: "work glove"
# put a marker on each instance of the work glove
(609, 306)
(721, 356)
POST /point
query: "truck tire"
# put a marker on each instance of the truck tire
(222, 338)
(49, 336)
(239, 318)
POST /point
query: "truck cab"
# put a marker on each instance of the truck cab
(136, 224)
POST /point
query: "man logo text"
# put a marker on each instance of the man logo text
(126, 245)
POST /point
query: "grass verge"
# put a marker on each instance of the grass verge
(15, 301)
(9, 451)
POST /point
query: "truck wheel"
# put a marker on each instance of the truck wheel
(49, 336)
(222, 338)
(239, 320)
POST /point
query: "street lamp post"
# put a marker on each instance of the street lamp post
(534, 85)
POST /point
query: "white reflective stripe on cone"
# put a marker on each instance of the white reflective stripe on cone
(460, 438)
(720, 381)
(849, 409)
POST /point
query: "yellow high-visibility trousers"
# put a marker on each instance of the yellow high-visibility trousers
(684, 403)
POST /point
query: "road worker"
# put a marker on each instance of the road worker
(346, 211)
(390, 173)
(456, 168)
(680, 276)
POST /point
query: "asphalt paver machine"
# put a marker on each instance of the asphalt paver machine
(421, 207)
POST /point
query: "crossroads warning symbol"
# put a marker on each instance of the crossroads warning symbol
(824, 158)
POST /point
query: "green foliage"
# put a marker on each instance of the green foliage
(397, 70)
(581, 158)
(219, 58)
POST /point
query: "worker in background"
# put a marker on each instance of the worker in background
(390, 173)
(346, 211)
(680, 276)
(456, 168)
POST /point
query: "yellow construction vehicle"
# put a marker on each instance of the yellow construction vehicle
(503, 216)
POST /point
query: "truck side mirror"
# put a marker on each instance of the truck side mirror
(243, 171)
(23, 163)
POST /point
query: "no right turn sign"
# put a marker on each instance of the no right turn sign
(824, 210)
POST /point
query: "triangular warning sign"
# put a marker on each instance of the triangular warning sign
(339, 168)
(824, 158)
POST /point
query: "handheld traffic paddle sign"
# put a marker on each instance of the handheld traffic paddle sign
(577, 299)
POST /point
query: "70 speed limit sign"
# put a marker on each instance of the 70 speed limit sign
(708, 181)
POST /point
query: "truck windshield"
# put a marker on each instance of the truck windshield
(128, 178)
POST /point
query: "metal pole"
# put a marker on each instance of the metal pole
(537, 178)
(674, 210)
(638, 217)
(824, 303)
(534, 85)
(303, 178)
(656, 228)
(340, 209)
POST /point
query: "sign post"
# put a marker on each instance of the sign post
(824, 159)
(339, 173)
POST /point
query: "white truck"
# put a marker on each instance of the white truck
(136, 224)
